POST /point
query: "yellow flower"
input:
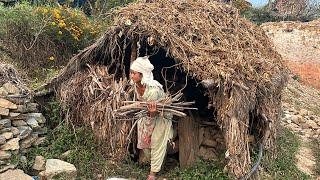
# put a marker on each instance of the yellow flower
(53, 23)
(45, 11)
(62, 24)
(59, 32)
(51, 58)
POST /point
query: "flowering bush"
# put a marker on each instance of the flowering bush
(45, 36)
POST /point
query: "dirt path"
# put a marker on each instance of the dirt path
(306, 160)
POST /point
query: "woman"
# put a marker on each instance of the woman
(155, 129)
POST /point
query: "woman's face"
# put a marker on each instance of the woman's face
(135, 76)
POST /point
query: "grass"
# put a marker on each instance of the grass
(283, 167)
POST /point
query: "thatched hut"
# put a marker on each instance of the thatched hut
(227, 60)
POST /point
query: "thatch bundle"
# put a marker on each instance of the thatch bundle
(210, 42)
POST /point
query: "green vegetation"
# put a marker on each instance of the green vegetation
(283, 167)
(83, 150)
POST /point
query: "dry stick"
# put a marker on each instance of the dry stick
(159, 105)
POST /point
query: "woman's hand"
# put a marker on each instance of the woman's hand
(152, 108)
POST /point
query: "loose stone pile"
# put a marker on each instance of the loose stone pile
(302, 121)
(21, 124)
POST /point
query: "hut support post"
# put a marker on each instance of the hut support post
(188, 130)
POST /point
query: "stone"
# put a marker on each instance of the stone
(5, 123)
(298, 119)
(21, 109)
(12, 144)
(39, 163)
(32, 107)
(5, 168)
(16, 174)
(11, 88)
(15, 131)
(7, 104)
(5, 130)
(32, 122)
(18, 123)
(303, 112)
(293, 127)
(19, 117)
(26, 143)
(207, 153)
(7, 135)
(65, 154)
(56, 167)
(4, 111)
(209, 143)
(14, 114)
(24, 131)
(3, 92)
(312, 124)
(5, 155)
(41, 131)
(40, 141)
(2, 139)
(37, 116)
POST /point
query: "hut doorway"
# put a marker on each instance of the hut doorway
(198, 134)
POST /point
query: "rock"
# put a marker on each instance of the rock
(207, 153)
(303, 112)
(209, 143)
(312, 124)
(19, 117)
(4, 111)
(56, 167)
(16, 174)
(32, 107)
(23, 160)
(5, 130)
(26, 143)
(15, 131)
(39, 163)
(7, 104)
(24, 131)
(5, 123)
(12, 144)
(5, 155)
(14, 114)
(7, 135)
(41, 131)
(3, 169)
(32, 122)
(39, 141)
(298, 119)
(3, 92)
(18, 123)
(2, 140)
(21, 109)
(11, 88)
(65, 154)
(38, 117)
(293, 127)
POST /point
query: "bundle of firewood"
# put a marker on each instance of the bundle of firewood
(168, 104)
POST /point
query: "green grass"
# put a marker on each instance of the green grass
(283, 167)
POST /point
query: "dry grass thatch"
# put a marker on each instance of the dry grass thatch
(209, 41)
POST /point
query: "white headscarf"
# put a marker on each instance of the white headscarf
(143, 65)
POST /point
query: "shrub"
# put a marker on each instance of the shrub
(45, 36)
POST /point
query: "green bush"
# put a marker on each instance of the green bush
(45, 36)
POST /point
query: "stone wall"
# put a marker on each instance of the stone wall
(212, 143)
(21, 124)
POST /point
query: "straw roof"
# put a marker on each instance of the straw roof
(209, 41)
